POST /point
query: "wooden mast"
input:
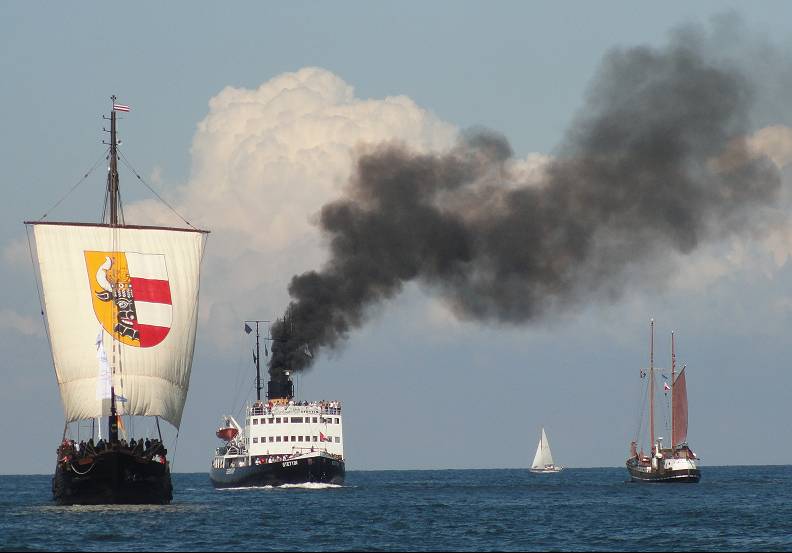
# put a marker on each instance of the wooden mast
(112, 199)
(112, 176)
(673, 375)
(651, 386)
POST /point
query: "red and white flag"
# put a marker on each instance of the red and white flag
(120, 107)
(323, 438)
(666, 387)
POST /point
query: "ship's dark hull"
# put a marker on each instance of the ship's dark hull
(318, 469)
(686, 476)
(112, 477)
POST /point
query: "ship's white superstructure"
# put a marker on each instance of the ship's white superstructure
(277, 432)
(281, 441)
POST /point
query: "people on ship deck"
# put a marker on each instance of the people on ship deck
(69, 449)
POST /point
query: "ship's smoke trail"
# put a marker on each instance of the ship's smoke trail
(655, 166)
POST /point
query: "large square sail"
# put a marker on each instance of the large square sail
(129, 294)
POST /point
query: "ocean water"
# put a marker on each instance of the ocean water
(731, 509)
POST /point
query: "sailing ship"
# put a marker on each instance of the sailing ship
(677, 462)
(282, 441)
(543, 460)
(120, 305)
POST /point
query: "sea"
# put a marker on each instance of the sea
(596, 509)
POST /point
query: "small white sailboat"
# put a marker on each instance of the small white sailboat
(543, 460)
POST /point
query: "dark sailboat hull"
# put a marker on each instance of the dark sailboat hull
(112, 477)
(682, 476)
(317, 469)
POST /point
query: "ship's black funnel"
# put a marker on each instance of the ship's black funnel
(280, 387)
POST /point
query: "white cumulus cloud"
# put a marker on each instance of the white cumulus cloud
(264, 161)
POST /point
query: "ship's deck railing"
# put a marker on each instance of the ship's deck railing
(326, 408)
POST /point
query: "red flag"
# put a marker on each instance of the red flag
(323, 438)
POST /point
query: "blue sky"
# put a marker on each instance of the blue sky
(421, 390)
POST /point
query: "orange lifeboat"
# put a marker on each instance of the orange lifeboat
(227, 434)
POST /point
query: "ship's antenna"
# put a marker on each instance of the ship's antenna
(651, 384)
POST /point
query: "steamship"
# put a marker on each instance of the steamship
(676, 462)
(281, 441)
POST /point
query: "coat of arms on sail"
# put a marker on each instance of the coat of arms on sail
(131, 295)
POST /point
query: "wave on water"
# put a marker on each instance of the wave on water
(303, 486)
(243, 488)
(311, 486)
(120, 508)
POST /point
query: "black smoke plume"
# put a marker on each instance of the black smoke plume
(655, 165)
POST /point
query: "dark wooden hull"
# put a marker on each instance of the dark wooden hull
(112, 477)
(686, 476)
(318, 469)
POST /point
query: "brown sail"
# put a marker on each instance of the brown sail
(680, 406)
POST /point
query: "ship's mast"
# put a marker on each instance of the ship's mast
(113, 194)
(258, 358)
(258, 364)
(651, 385)
(112, 177)
(112, 206)
(673, 374)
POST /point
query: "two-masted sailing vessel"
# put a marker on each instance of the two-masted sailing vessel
(282, 441)
(675, 462)
(120, 304)
(543, 460)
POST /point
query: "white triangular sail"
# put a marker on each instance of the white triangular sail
(543, 455)
(139, 287)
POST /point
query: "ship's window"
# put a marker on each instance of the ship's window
(277, 438)
(337, 421)
(315, 439)
(315, 419)
(294, 438)
(263, 421)
(338, 440)
(296, 419)
(307, 438)
(271, 420)
(255, 440)
(278, 420)
(255, 421)
(299, 438)
(271, 439)
(285, 438)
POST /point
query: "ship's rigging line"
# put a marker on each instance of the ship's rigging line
(160, 198)
(78, 183)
